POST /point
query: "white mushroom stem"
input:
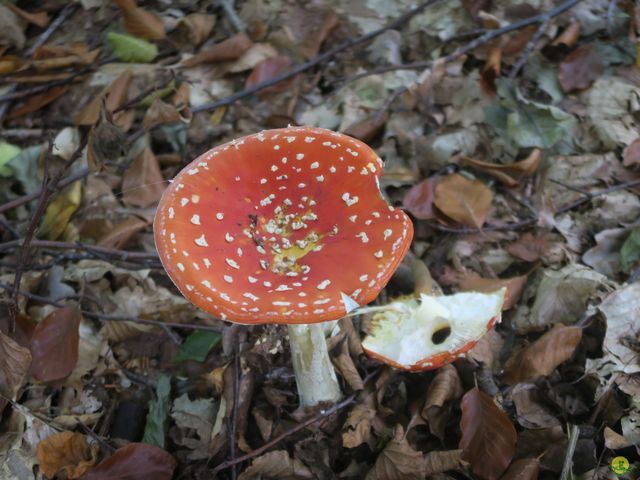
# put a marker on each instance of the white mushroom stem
(315, 376)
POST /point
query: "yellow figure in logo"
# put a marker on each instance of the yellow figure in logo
(619, 465)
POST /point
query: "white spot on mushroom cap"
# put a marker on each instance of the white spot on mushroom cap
(232, 263)
(219, 215)
(348, 199)
(195, 219)
(324, 284)
(228, 278)
(201, 241)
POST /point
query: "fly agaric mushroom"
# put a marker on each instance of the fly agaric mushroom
(284, 226)
(425, 333)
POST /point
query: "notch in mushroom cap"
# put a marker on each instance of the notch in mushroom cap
(284, 226)
(426, 333)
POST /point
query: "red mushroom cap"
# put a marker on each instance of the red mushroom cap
(283, 226)
(426, 333)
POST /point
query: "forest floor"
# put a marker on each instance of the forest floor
(510, 133)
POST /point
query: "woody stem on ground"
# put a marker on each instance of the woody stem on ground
(315, 376)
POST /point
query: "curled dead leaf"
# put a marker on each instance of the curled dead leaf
(357, 428)
(14, 365)
(195, 28)
(544, 355)
(140, 22)
(229, 49)
(66, 452)
(510, 174)
(398, 461)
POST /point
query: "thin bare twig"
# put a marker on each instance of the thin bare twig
(114, 318)
(259, 451)
(49, 188)
(42, 38)
(323, 57)
(124, 255)
(481, 40)
(81, 173)
(229, 10)
(528, 49)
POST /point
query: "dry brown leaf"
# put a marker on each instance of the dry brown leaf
(160, 113)
(491, 70)
(230, 49)
(510, 174)
(85, 58)
(440, 462)
(523, 469)
(14, 366)
(9, 64)
(115, 96)
(308, 27)
(357, 428)
(419, 199)
(369, 128)
(488, 349)
(11, 29)
(445, 386)
(66, 452)
(142, 184)
(529, 247)
(580, 68)
(398, 461)
(631, 154)
(569, 35)
(544, 355)
(120, 235)
(48, 50)
(40, 19)
(135, 461)
(344, 363)
(266, 70)
(36, 102)
(463, 200)
(139, 22)
(54, 345)
(488, 437)
(472, 282)
(277, 465)
(530, 411)
(195, 28)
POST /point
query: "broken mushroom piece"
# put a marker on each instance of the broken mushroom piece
(428, 332)
(284, 226)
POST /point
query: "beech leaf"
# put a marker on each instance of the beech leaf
(463, 200)
(142, 185)
(488, 436)
(398, 461)
(544, 355)
(54, 345)
(136, 461)
(14, 365)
